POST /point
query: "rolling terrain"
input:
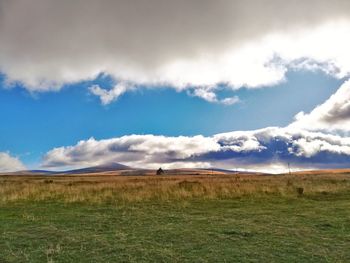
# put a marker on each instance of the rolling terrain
(101, 217)
(120, 169)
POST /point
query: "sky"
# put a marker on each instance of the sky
(233, 84)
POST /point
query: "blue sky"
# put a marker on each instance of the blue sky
(232, 84)
(38, 122)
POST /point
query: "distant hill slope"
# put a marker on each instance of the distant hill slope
(31, 172)
(109, 167)
(123, 170)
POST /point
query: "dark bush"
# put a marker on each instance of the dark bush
(47, 181)
(160, 171)
(300, 190)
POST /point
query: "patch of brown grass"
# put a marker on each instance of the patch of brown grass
(98, 189)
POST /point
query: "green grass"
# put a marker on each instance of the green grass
(313, 228)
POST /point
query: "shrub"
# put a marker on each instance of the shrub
(300, 190)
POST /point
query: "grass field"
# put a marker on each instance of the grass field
(227, 218)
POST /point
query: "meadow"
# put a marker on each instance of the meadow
(198, 218)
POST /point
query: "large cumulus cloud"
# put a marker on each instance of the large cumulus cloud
(194, 44)
(133, 150)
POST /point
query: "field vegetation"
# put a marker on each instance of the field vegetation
(203, 218)
(117, 189)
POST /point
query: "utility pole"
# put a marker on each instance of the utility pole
(289, 169)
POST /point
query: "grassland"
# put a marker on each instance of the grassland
(204, 218)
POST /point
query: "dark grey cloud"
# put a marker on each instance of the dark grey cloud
(47, 43)
(340, 112)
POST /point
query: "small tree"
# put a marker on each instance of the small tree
(160, 171)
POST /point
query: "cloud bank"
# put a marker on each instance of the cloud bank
(183, 44)
(235, 150)
(9, 163)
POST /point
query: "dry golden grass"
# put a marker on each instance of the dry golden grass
(107, 188)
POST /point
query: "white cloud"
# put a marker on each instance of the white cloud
(143, 150)
(332, 115)
(230, 100)
(299, 143)
(239, 141)
(209, 95)
(108, 96)
(192, 44)
(9, 163)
